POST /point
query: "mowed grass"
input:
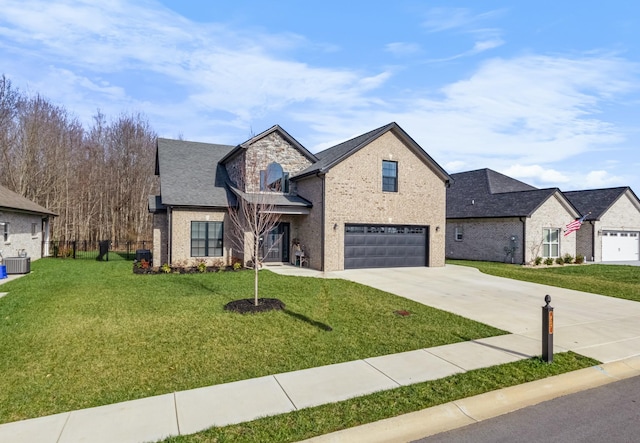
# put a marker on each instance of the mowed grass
(613, 280)
(81, 333)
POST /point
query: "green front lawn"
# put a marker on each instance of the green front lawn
(81, 333)
(612, 280)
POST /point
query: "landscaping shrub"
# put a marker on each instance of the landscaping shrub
(579, 259)
(567, 258)
(537, 261)
(560, 261)
(548, 261)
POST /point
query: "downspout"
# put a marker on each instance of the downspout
(322, 230)
(169, 231)
(594, 236)
(524, 239)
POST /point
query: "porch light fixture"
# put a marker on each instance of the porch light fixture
(335, 226)
(437, 228)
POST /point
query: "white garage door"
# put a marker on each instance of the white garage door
(620, 246)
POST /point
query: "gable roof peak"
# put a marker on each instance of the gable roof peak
(275, 128)
(335, 154)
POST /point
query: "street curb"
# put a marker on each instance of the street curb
(459, 413)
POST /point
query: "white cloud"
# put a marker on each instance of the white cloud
(442, 19)
(537, 174)
(402, 49)
(601, 179)
(455, 166)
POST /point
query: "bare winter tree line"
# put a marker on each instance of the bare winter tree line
(97, 179)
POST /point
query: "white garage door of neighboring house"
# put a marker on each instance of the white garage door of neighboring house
(385, 246)
(620, 245)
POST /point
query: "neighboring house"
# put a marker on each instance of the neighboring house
(493, 217)
(24, 226)
(611, 228)
(377, 200)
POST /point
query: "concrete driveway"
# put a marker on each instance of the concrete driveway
(604, 328)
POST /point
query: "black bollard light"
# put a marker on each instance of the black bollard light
(547, 331)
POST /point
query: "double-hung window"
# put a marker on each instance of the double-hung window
(206, 239)
(4, 231)
(389, 176)
(551, 242)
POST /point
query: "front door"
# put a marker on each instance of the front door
(275, 244)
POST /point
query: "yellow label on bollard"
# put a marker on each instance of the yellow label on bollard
(550, 322)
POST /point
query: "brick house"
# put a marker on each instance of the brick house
(611, 228)
(24, 226)
(377, 200)
(492, 217)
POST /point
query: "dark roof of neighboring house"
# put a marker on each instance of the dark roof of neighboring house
(597, 201)
(485, 193)
(190, 174)
(334, 155)
(274, 128)
(10, 200)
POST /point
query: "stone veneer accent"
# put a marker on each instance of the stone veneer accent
(260, 153)
(353, 190)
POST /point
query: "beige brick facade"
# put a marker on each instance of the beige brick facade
(623, 215)
(485, 239)
(21, 239)
(353, 194)
(309, 229)
(510, 239)
(349, 192)
(181, 236)
(552, 214)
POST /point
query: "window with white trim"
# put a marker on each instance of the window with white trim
(34, 229)
(458, 233)
(4, 229)
(551, 242)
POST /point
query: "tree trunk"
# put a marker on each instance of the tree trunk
(256, 265)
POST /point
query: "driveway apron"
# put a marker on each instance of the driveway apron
(604, 328)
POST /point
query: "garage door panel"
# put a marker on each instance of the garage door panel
(620, 245)
(385, 246)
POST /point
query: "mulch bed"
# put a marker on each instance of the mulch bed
(247, 306)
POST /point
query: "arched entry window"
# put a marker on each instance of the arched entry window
(274, 179)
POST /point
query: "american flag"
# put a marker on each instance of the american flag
(574, 225)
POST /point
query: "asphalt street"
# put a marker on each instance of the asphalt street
(609, 413)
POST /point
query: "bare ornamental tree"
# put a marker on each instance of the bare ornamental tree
(252, 218)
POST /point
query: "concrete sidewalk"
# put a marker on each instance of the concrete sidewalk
(605, 328)
(187, 412)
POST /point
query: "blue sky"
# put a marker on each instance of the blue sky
(545, 91)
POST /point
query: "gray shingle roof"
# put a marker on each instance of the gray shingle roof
(485, 193)
(596, 201)
(334, 155)
(272, 198)
(10, 200)
(190, 174)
